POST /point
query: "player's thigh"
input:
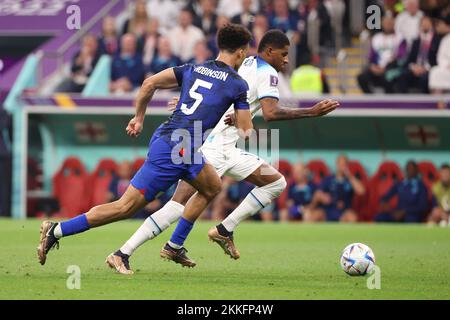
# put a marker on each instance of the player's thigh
(151, 180)
(183, 192)
(207, 182)
(251, 168)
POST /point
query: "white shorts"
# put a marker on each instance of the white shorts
(235, 163)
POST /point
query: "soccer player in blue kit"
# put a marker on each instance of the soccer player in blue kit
(207, 91)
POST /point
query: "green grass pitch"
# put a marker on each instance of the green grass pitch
(278, 261)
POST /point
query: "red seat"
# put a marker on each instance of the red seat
(285, 168)
(319, 170)
(429, 173)
(69, 185)
(360, 202)
(137, 164)
(100, 180)
(387, 174)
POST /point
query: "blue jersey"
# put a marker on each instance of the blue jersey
(302, 195)
(340, 190)
(207, 92)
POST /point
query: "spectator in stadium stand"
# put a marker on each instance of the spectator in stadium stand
(184, 36)
(228, 199)
(260, 27)
(201, 53)
(206, 21)
(83, 64)
(127, 69)
(433, 8)
(246, 17)
(231, 8)
(407, 23)
(440, 74)
(164, 57)
(412, 198)
(120, 181)
(333, 199)
(300, 194)
(309, 79)
(300, 39)
(166, 11)
(441, 198)
(151, 41)
(282, 17)
(137, 24)
(422, 56)
(211, 41)
(386, 49)
(119, 184)
(108, 40)
(317, 10)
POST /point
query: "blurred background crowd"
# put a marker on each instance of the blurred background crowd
(418, 193)
(408, 53)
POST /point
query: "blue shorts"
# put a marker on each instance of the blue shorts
(159, 171)
(333, 213)
(295, 213)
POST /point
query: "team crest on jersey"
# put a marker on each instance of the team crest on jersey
(273, 81)
(248, 62)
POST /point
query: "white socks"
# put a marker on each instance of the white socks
(57, 232)
(153, 226)
(257, 199)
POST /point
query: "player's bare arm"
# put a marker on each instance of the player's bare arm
(244, 123)
(273, 112)
(163, 80)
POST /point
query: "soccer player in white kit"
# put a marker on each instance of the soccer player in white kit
(261, 74)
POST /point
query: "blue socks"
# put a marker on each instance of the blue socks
(181, 232)
(75, 225)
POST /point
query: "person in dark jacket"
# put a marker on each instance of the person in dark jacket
(127, 70)
(422, 57)
(412, 198)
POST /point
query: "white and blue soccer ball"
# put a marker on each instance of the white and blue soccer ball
(357, 259)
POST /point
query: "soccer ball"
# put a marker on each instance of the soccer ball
(357, 259)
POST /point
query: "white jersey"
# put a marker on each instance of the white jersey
(262, 80)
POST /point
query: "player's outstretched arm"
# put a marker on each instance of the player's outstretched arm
(163, 80)
(244, 122)
(273, 112)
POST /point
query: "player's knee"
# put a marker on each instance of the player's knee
(282, 184)
(276, 188)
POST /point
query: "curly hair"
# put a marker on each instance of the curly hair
(273, 38)
(232, 37)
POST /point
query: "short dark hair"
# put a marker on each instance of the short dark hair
(232, 37)
(445, 166)
(274, 38)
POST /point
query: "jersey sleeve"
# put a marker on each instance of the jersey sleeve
(180, 71)
(241, 102)
(267, 83)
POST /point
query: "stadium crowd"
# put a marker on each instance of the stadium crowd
(314, 193)
(409, 52)
(412, 52)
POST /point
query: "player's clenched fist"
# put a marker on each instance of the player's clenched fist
(135, 127)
